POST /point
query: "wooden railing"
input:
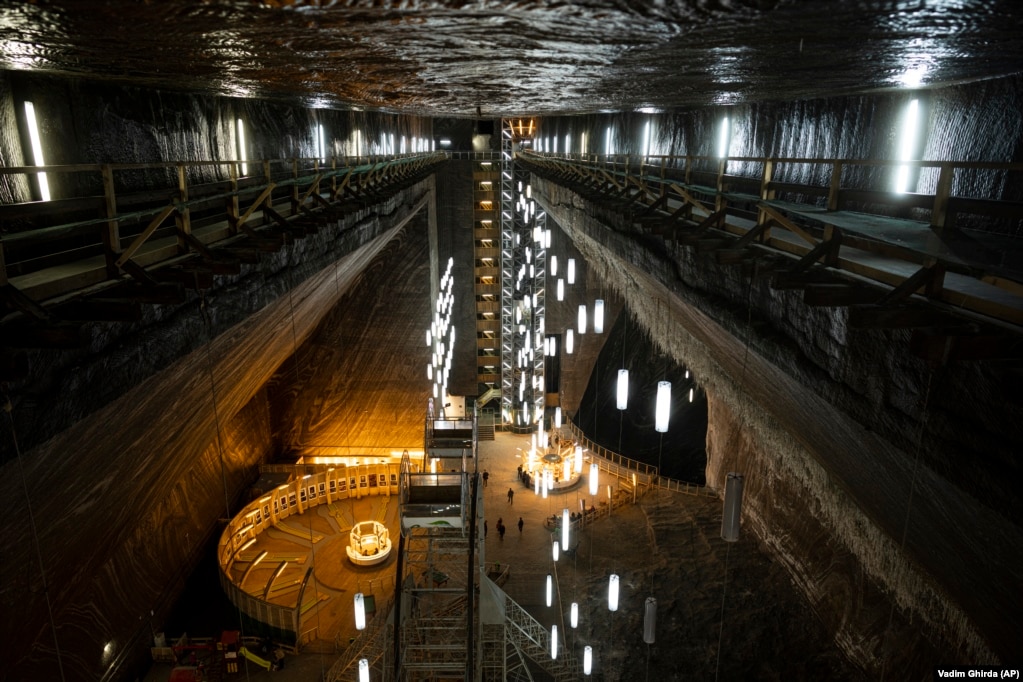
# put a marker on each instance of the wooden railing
(893, 245)
(129, 216)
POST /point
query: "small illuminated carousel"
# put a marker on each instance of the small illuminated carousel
(369, 543)
(553, 463)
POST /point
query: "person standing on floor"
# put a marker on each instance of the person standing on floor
(500, 531)
(511, 494)
(484, 529)
(486, 477)
(520, 524)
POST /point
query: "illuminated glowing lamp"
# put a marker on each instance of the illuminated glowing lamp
(565, 526)
(566, 469)
(578, 459)
(569, 341)
(37, 149)
(557, 417)
(574, 617)
(587, 660)
(363, 670)
(594, 483)
(650, 620)
(547, 239)
(690, 395)
(550, 590)
(554, 641)
(360, 611)
(536, 484)
(663, 410)
(242, 154)
(723, 138)
(571, 271)
(623, 389)
(561, 289)
(554, 266)
(429, 372)
(612, 592)
(582, 319)
(598, 316)
(733, 508)
(555, 551)
(429, 337)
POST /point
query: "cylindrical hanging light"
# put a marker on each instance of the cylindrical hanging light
(565, 526)
(566, 469)
(561, 289)
(598, 316)
(612, 593)
(587, 660)
(571, 271)
(573, 618)
(547, 239)
(550, 590)
(554, 641)
(650, 620)
(733, 507)
(569, 341)
(690, 395)
(623, 389)
(594, 483)
(536, 482)
(554, 265)
(429, 337)
(360, 611)
(578, 459)
(555, 552)
(363, 670)
(582, 319)
(663, 410)
(557, 417)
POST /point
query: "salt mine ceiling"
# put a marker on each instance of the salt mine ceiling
(514, 58)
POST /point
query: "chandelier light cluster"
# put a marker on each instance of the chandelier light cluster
(440, 337)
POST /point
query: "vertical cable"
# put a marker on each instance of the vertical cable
(8, 408)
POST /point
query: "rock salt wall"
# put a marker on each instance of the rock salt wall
(126, 482)
(831, 420)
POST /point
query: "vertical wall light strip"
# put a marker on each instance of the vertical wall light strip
(242, 155)
(646, 140)
(323, 146)
(607, 142)
(37, 150)
(724, 138)
(568, 144)
(907, 144)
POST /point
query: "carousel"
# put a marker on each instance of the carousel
(369, 543)
(555, 465)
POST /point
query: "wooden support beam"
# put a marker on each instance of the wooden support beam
(910, 285)
(314, 186)
(902, 317)
(787, 279)
(690, 199)
(838, 295)
(144, 235)
(835, 187)
(138, 273)
(344, 183)
(824, 249)
(182, 218)
(784, 221)
(255, 204)
(939, 210)
(14, 299)
(111, 231)
(191, 240)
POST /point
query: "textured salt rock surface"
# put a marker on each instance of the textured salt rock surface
(848, 480)
(512, 58)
